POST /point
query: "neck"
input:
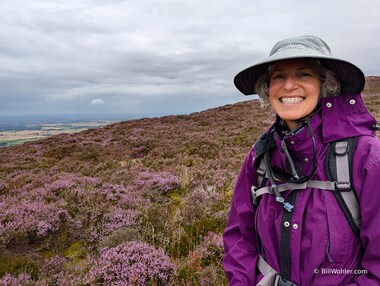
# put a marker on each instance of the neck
(292, 124)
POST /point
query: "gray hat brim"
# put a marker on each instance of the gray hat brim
(351, 78)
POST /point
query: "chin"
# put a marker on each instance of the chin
(291, 118)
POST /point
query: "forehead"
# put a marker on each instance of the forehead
(294, 64)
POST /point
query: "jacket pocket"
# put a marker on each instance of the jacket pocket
(339, 232)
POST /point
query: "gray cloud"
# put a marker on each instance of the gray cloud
(169, 56)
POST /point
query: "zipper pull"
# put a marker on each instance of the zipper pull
(288, 206)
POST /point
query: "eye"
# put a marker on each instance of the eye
(305, 74)
(277, 76)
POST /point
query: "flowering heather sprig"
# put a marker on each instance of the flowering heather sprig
(69, 180)
(210, 275)
(210, 251)
(121, 195)
(201, 203)
(103, 209)
(157, 181)
(212, 247)
(132, 263)
(23, 279)
(52, 265)
(70, 274)
(62, 183)
(26, 216)
(119, 218)
(43, 227)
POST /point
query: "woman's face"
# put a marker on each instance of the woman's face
(294, 88)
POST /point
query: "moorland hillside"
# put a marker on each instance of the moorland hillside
(143, 201)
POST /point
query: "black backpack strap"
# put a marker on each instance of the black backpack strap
(261, 174)
(338, 166)
(264, 144)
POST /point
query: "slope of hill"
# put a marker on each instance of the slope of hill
(83, 208)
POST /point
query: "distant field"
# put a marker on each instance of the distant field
(18, 133)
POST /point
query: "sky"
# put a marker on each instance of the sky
(159, 56)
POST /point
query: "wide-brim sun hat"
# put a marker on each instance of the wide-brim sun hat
(351, 77)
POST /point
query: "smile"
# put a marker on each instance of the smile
(291, 99)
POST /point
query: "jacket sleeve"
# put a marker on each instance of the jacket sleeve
(239, 237)
(369, 199)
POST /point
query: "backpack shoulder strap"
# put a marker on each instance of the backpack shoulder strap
(338, 166)
(264, 143)
(261, 174)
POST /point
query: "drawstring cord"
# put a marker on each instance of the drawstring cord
(273, 186)
(291, 163)
(295, 178)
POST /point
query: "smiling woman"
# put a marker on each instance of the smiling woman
(294, 89)
(305, 199)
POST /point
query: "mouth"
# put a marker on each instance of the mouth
(291, 100)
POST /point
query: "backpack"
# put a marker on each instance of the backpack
(338, 167)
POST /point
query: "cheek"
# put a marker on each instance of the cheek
(273, 89)
(272, 99)
(317, 91)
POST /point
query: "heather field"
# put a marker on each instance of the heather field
(141, 202)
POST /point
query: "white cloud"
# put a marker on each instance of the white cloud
(97, 101)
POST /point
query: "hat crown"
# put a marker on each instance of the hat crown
(309, 44)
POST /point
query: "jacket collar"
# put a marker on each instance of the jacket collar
(299, 143)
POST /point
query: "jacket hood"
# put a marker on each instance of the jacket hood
(338, 118)
(345, 116)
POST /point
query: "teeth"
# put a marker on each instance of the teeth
(291, 99)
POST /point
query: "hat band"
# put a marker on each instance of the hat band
(299, 46)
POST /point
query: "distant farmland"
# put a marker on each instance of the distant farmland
(14, 133)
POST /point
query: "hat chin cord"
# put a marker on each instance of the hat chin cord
(295, 178)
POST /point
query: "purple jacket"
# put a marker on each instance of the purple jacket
(321, 240)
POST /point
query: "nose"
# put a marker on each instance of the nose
(290, 83)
